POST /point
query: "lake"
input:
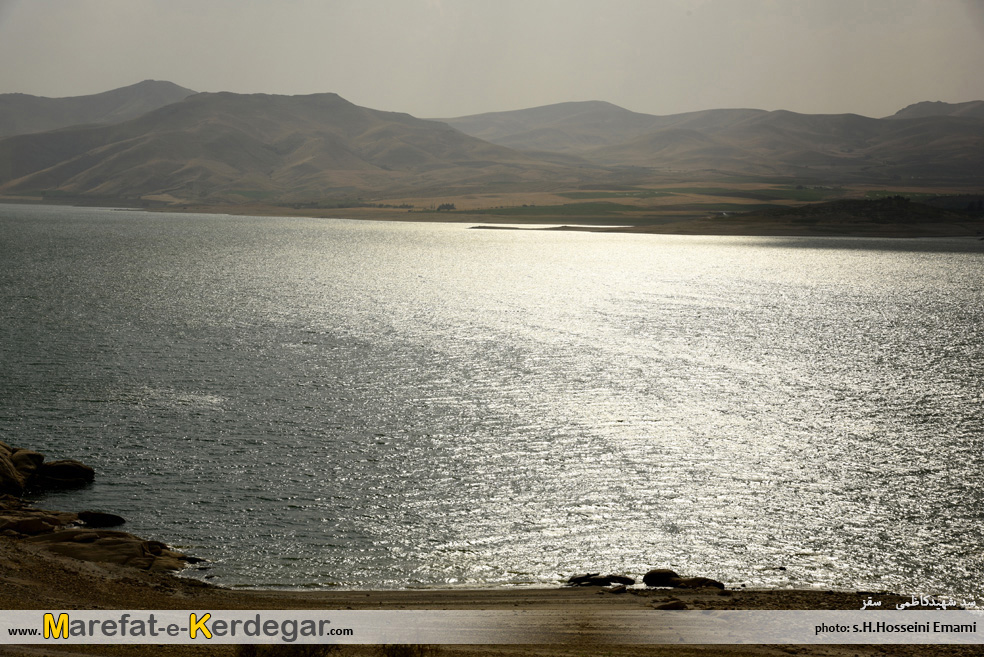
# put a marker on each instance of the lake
(332, 403)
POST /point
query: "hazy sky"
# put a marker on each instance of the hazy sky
(444, 58)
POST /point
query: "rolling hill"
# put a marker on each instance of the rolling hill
(579, 127)
(927, 142)
(972, 109)
(22, 113)
(156, 142)
(836, 148)
(232, 147)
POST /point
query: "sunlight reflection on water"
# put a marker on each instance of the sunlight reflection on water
(336, 403)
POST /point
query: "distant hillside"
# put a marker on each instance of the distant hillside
(973, 109)
(234, 147)
(839, 148)
(561, 128)
(582, 126)
(21, 113)
(927, 142)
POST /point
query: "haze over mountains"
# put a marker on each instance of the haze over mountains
(927, 142)
(156, 141)
(972, 109)
(22, 113)
(233, 147)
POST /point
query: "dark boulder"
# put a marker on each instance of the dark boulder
(660, 577)
(99, 519)
(66, 473)
(664, 577)
(11, 480)
(597, 579)
(26, 461)
(24, 469)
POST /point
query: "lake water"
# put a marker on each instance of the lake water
(332, 403)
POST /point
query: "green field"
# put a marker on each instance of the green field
(765, 194)
(642, 193)
(566, 210)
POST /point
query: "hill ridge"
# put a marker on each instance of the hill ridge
(230, 148)
(25, 113)
(926, 108)
(207, 146)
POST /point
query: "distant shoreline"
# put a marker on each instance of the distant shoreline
(731, 225)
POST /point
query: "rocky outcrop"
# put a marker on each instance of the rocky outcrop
(656, 578)
(666, 578)
(79, 535)
(108, 546)
(23, 469)
(11, 480)
(17, 519)
(65, 473)
(98, 519)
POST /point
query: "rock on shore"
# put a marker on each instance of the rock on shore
(597, 579)
(664, 577)
(655, 578)
(23, 469)
(79, 535)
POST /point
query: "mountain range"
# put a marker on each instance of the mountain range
(158, 142)
(233, 148)
(927, 142)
